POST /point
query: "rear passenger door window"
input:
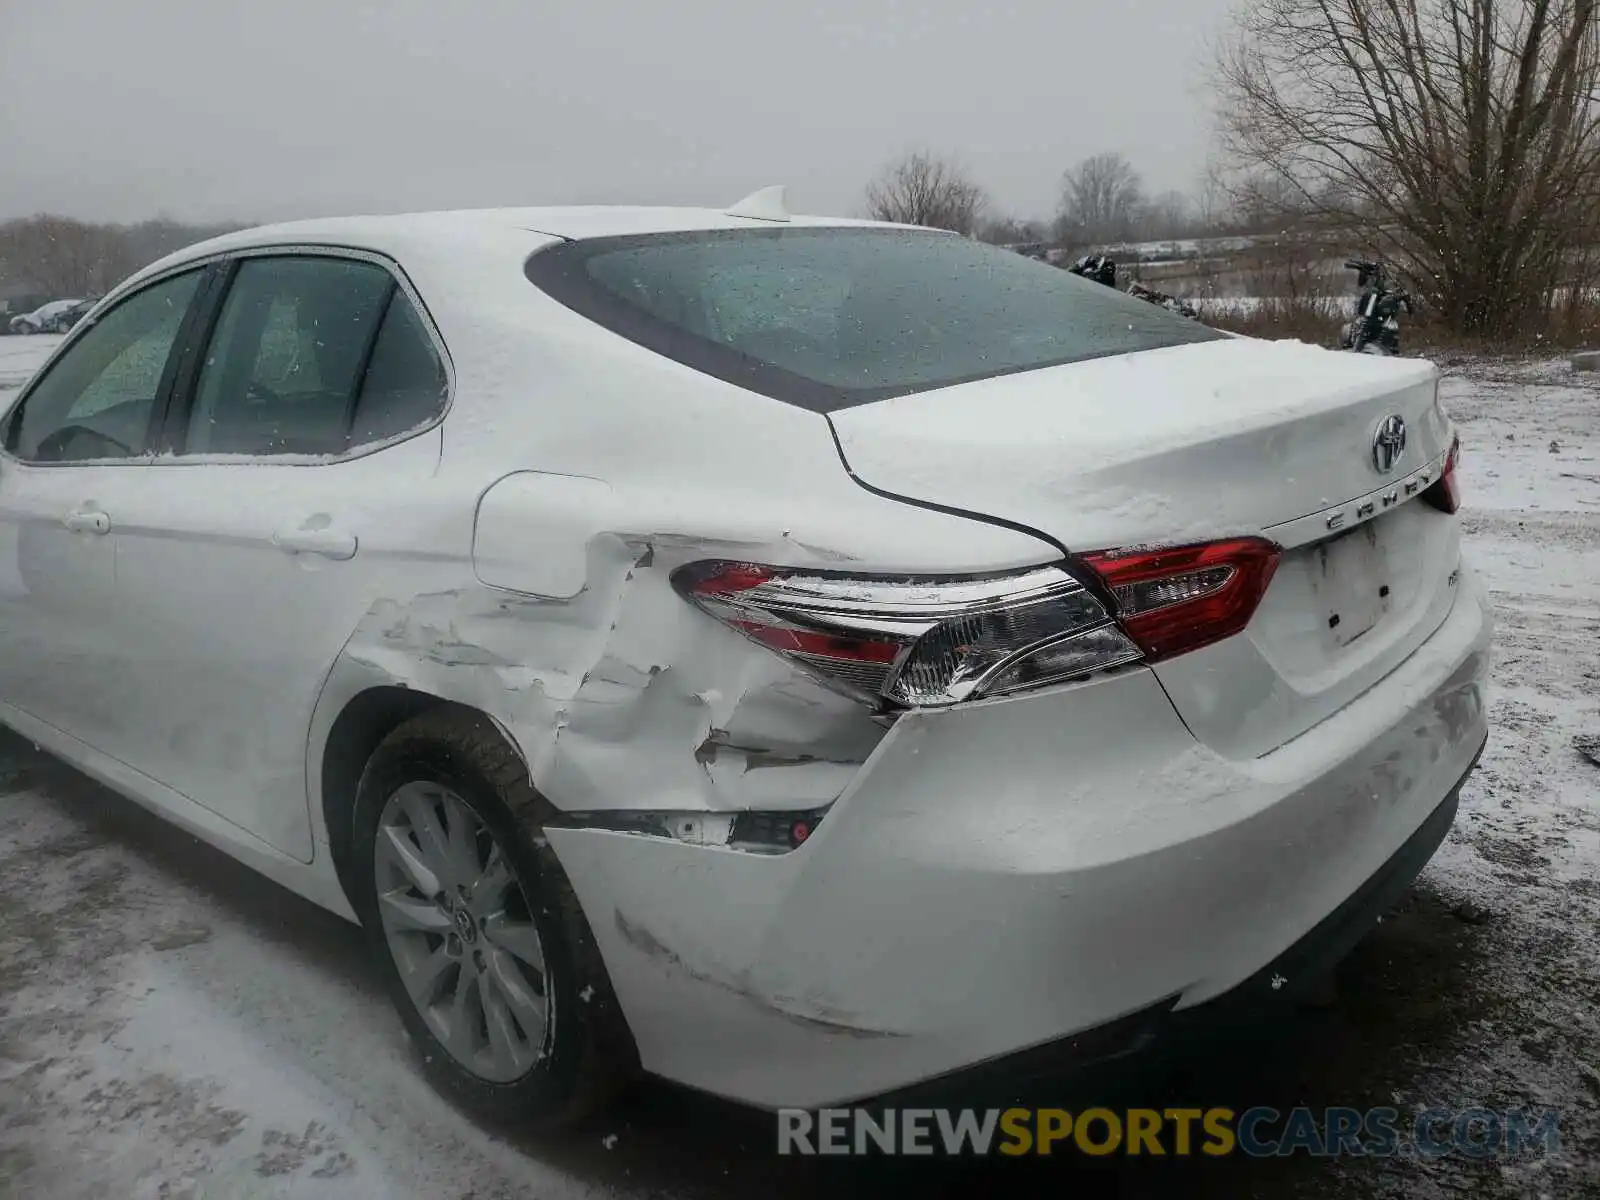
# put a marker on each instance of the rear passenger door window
(316, 355)
(405, 385)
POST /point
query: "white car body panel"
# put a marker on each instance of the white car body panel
(218, 677)
(59, 605)
(318, 884)
(1230, 438)
(515, 559)
(427, 622)
(924, 927)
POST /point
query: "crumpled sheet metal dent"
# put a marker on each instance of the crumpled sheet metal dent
(624, 696)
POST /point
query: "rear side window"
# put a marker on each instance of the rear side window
(313, 355)
(829, 318)
(405, 384)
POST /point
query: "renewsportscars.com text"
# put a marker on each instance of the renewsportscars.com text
(1260, 1132)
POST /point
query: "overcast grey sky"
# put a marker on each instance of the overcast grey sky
(214, 109)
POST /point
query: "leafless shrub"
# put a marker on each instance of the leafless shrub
(923, 189)
(1315, 319)
(1294, 267)
(1461, 136)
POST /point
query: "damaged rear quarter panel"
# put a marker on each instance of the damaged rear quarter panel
(613, 694)
(578, 472)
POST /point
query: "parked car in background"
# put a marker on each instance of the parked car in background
(63, 321)
(41, 319)
(17, 304)
(800, 658)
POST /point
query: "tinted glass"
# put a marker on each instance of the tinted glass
(283, 369)
(97, 400)
(828, 318)
(405, 385)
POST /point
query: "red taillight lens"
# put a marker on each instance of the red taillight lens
(1445, 495)
(1175, 600)
(750, 598)
(823, 645)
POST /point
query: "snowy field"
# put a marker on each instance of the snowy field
(172, 1028)
(1221, 307)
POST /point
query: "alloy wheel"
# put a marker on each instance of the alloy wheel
(461, 933)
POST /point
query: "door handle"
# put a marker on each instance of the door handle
(87, 521)
(326, 542)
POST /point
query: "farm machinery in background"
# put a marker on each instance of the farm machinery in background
(1375, 328)
(1104, 270)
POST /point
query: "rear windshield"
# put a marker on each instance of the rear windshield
(827, 318)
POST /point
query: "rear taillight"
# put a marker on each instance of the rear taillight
(932, 642)
(1445, 494)
(916, 642)
(1174, 600)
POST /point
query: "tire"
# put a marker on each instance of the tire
(542, 1079)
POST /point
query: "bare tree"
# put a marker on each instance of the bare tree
(57, 254)
(73, 258)
(1211, 200)
(923, 189)
(1461, 138)
(1101, 199)
(1169, 215)
(1003, 231)
(1266, 202)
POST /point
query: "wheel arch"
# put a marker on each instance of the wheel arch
(364, 721)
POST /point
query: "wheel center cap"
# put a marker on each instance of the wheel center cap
(465, 925)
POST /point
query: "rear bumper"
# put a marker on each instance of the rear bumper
(1075, 1061)
(1050, 871)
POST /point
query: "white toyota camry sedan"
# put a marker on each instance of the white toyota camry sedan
(809, 660)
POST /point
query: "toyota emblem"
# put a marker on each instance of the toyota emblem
(1389, 443)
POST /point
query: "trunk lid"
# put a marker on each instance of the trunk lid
(1196, 443)
(1175, 445)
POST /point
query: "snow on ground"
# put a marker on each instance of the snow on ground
(172, 1027)
(20, 357)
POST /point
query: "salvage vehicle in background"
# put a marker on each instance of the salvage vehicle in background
(42, 319)
(799, 658)
(64, 320)
(1102, 269)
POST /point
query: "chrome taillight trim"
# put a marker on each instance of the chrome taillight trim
(909, 601)
(914, 611)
